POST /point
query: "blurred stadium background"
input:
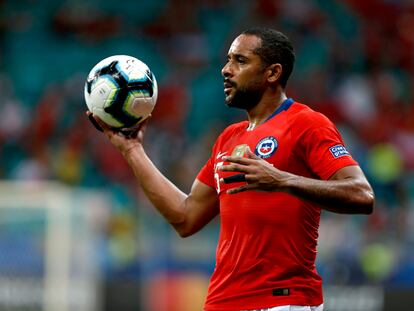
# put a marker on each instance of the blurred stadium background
(77, 234)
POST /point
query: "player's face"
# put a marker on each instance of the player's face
(243, 73)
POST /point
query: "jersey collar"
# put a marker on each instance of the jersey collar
(284, 106)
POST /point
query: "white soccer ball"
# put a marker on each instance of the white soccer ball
(121, 90)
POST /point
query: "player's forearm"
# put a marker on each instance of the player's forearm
(163, 194)
(345, 196)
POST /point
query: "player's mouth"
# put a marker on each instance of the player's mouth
(228, 85)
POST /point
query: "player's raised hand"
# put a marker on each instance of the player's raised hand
(258, 174)
(122, 140)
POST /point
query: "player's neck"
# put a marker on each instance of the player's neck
(264, 109)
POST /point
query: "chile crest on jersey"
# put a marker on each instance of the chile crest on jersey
(266, 147)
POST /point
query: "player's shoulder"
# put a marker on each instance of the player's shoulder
(304, 116)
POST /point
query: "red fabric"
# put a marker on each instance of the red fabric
(268, 240)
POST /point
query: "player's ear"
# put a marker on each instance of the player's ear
(274, 71)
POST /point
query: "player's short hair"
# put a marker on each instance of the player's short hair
(275, 48)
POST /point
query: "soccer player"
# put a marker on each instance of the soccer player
(268, 178)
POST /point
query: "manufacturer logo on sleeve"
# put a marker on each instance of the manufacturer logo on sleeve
(266, 147)
(221, 154)
(338, 151)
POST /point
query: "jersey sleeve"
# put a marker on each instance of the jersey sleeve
(206, 174)
(322, 147)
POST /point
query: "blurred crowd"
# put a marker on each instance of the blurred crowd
(355, 63)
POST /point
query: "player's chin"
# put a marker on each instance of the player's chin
(228, 99)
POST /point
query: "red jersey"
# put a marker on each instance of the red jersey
(267, 245)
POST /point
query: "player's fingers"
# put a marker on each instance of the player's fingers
(251, 154)
(233, 179)
(98, 123)
(133, 132)
(143, 125)
(241, 188)
(238, 160)
(250, 178)
(239, 178)
(234, 168)
(141, 128)
(93, 121)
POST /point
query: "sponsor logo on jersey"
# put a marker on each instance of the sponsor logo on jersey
(266, 147)
(239, 150)
(338, 151)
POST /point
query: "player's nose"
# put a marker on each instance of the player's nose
(226, 70)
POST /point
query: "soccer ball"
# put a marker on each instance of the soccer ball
(121, 90)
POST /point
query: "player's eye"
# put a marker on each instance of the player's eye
(241, 59)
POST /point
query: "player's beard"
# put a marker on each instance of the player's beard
(245, 97)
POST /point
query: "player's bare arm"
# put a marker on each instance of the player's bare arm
(186, 213)
(347, 191)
